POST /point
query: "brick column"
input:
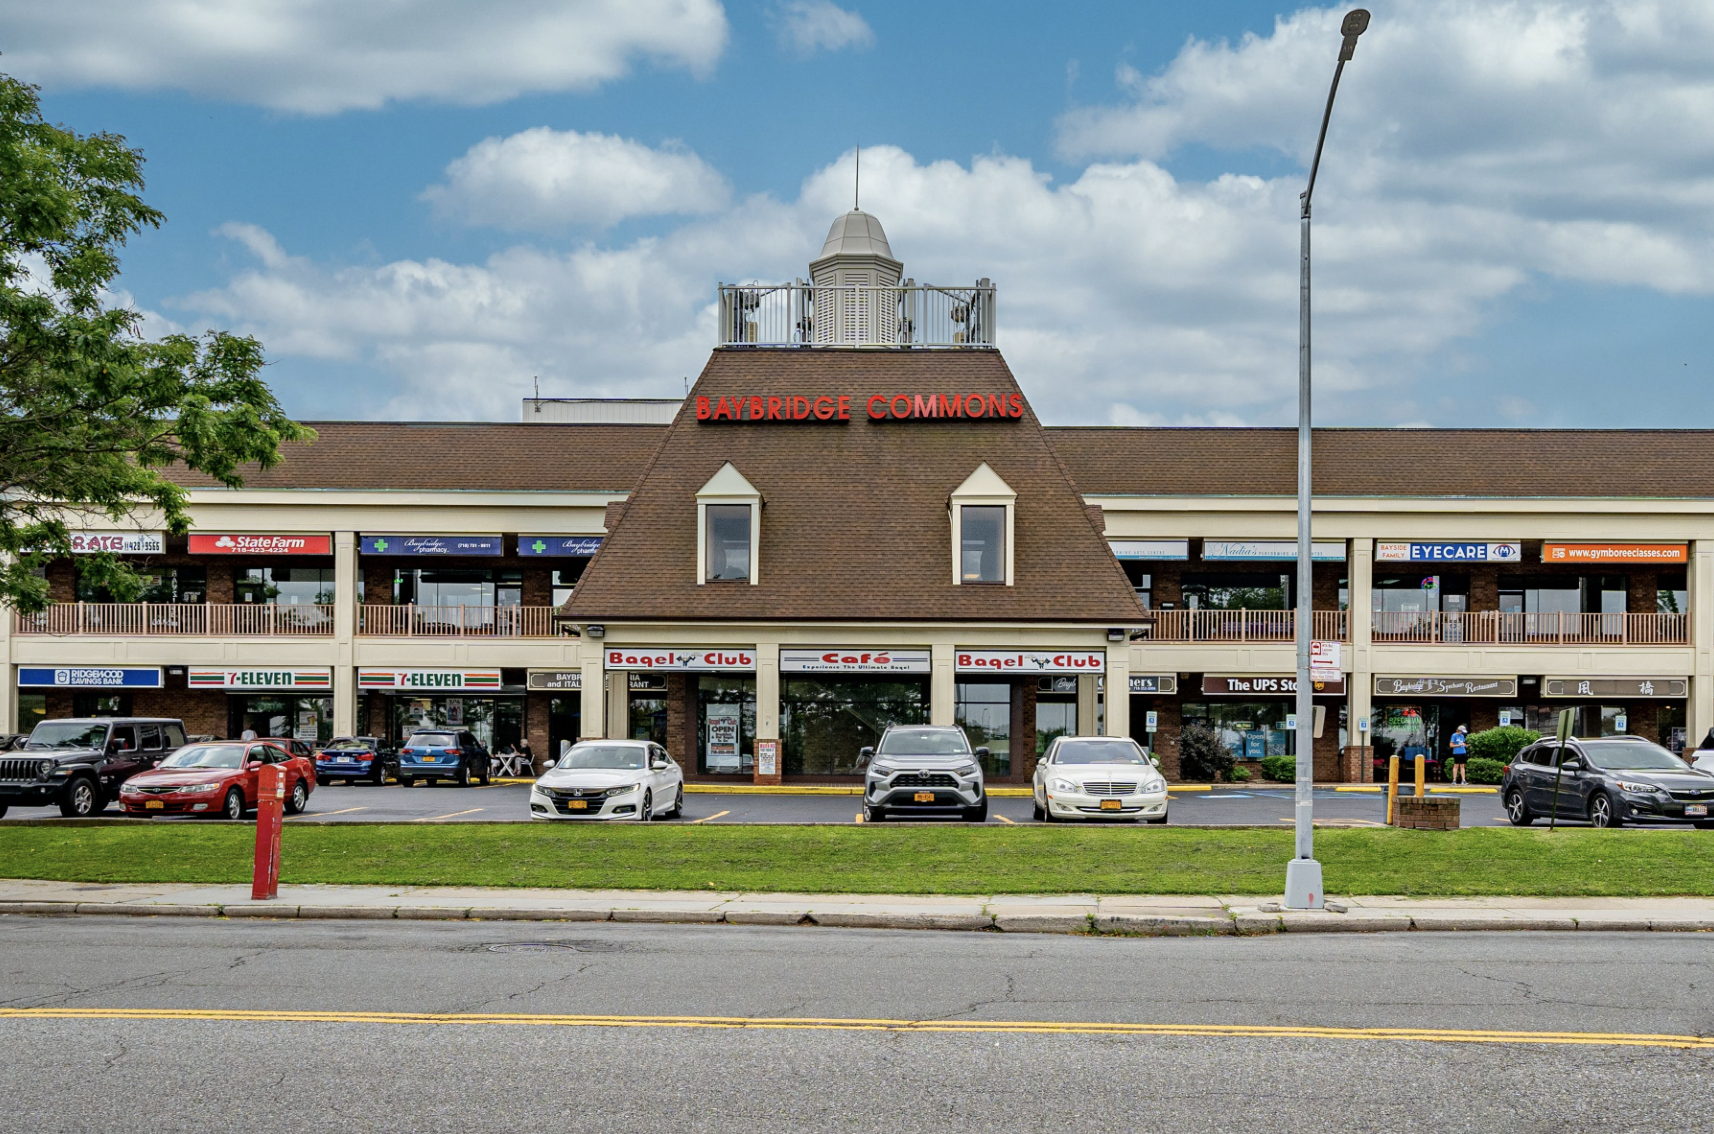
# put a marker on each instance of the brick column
(1170, 718)
(536, 706)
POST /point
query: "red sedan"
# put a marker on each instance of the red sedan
(216, 778)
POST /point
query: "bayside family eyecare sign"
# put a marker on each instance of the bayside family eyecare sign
(1446, 551)
(854, 661)
(89, 677)
(834, 408)
(1030, 661)
(430, 680)
(682, 659)
(310, 678)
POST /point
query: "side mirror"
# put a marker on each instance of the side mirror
(1571, 764)
(980, 752)
(657, 765)
(864, 755)
(1155, 760)
(549, 765)
(252, 765)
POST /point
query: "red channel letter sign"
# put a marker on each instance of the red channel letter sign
(721, 410)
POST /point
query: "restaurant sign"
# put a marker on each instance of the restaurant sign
(124, 542)
(1154, 683)
(238, 544)
(1615, 553)
(414, 545)
(555, 680)
(683, 659)
(89, 677)
(976, 406)
(1446, 551)
(857, 660)
(430, 680)
(312, 677)
(1446, 686)
(1617, 687)
(1030, 661)
(1245, 685)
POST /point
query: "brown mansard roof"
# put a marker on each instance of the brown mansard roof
(854, 520)
(1391, 462)
(480, 456)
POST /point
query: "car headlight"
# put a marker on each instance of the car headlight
(622, 789)
(1632, 785)
(1064, 785)
(968, 769)
(190, 788)
(881, 769)
(1152, 786)
(45, 769)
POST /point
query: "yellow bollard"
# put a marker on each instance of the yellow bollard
(1421, 775)
(1392, 784)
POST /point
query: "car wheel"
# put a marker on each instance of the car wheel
(873, 814)
(463, 774)
(3, 812)
(1603, 812)
(1516, 810)
(678, 804)
(406, 781)
(80, 799)
(1036, 812)
(298, 800)
(379, 778)
(1701, 824)
(977, 814)
(648, 812)
(233, 808)
(487, 769)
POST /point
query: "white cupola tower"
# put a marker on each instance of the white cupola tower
(856, 283)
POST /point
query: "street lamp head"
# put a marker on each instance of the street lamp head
(1355, 24)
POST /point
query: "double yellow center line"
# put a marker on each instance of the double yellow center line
(793, 1023)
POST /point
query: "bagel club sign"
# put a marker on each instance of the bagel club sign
(879, 407)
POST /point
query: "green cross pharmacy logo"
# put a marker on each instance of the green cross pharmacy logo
(380, 545)
(539, 546)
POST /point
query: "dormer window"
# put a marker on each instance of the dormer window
(982, 529)
(728, 529)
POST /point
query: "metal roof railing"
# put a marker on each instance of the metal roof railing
(906, 315)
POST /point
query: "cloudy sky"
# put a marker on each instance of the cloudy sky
(419, 206)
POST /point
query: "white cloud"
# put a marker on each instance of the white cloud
(326, 56)
(1127, 294)
(808, 26)
(549, 180)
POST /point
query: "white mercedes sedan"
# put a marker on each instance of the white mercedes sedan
(610, 779)
(1098, 777)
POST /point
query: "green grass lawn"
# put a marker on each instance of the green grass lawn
(914, 859)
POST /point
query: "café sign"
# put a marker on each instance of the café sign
(681, 659)
(1244, 685)
(1030, 661)
(1617, 687)
(430, 680)
(119, 543)
(1446, 686)
(854, 661)
(313, 677)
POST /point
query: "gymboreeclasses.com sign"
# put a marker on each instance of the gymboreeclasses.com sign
(682, 660)
(1030, 661)
(310, 678)
(89, 677)
(854, 661)
(429, 680)
(1442, 551)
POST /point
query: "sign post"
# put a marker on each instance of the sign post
(1562, 734)
(270, 810)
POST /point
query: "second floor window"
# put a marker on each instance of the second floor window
(728, 542)
(982, 539)
(160, 584)
(284, 586)
(457, 586)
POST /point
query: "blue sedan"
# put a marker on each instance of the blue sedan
(352, 758)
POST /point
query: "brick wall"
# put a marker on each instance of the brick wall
(681, 720)
(537, 584)
(203, 711)
(1023, 731)
(536, 706)
(1166, 738)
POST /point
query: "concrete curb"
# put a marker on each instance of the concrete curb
(1238, 922)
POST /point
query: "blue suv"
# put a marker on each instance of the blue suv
(443, 754)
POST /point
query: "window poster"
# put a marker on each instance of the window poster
(455, 710)
(723, 729)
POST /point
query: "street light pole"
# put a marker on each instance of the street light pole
(1303, 873)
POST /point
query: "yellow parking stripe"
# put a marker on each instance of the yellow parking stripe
(451, 815)
(706, 818)
(324, 814)
(790, 1023)
(1003, 819)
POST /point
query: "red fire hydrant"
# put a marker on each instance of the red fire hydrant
(270, 817)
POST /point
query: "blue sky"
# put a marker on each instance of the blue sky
(1506, 234)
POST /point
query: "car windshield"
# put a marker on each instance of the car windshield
(925, 742)
(347, 744)
(207, 756)
(612, 756)
(1098, 752)
(432, 740)
(68, 734)
(1632, 755)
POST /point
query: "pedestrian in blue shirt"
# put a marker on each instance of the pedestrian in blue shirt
(1460, 753)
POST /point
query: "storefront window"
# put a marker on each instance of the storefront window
(648, 717)
(457, 586)
(1587, 594)
(160, 584)
(1420, 594)
(1237, 591)
(495, 721)
(1142, 582)
(309, 719)
(565, 722)
(1590, 720)
(982, 555)
(725, 724)
(285, 586)
(1250, 730)
(32, 710)
(1669, 727)
(1401, 730)
(823, 723)
(1672, 597)
(101, 704)
(1056, 710)
(728, 542)
(984, 710)
(565, 580)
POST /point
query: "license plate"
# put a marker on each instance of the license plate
(155, 803)
(430, 759)
(924, 797)
(1109, 805)
(579, 805)
(1696, 809)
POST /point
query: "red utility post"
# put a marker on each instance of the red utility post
(270, 816)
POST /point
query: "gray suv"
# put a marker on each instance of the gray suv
(80, 763)
(923, 770)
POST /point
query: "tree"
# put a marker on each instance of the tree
(1201, 755)
(91, 411)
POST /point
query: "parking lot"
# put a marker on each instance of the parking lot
(508, 802)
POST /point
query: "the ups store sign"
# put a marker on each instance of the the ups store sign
(1264, 685)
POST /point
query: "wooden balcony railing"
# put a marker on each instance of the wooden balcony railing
(375, 620)
(1242, 625)
(1496, 628)
(218, 620)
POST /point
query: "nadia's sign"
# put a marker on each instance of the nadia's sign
(880, 407)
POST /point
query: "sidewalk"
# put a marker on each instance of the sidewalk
(1170, 915)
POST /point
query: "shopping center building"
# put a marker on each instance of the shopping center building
(855, 518)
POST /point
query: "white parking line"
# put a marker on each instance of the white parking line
(706, 818)
(453, 815)
(323, 814)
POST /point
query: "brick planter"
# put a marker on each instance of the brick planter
(1430, 813)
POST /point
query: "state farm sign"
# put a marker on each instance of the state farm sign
(1030, 661)
(227, 544)
(973, 406)
(682, 660)
(854, 660)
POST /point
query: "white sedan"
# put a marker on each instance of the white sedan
(1098, 777)
(610, 779)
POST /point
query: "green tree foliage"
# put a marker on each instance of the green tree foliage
(1501, 743)
(1481, 770)
(1201, 756)
(91, 412)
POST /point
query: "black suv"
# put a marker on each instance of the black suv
(80, 763)
(1606, 782)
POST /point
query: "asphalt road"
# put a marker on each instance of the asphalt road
(505, 802)
(363, 1067)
